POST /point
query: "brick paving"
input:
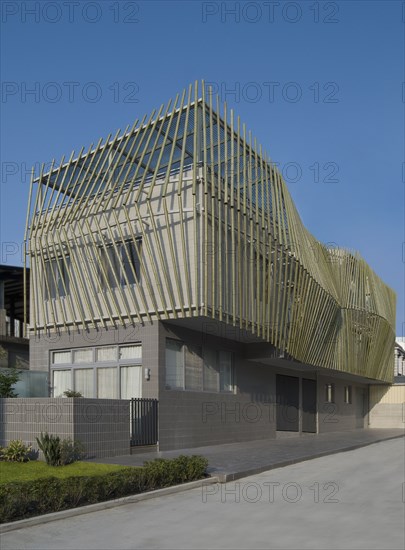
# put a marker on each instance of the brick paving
(236, 460)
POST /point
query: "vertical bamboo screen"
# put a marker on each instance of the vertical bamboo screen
(215, 233)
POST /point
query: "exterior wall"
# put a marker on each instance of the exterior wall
(196, 418)
(102, 425)
(387, 406)
(341, 416)
(169, 289)
(192, 418)
(42, 345)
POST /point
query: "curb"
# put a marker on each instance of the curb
(54, 516)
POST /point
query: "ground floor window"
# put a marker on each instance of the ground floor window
(330, 393)
(83, 380)
(174, 364)
(108, 372)
(348, 394)
(197, 368)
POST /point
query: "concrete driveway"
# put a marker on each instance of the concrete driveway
(344, 501)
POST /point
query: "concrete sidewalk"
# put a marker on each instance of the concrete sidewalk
(236, 460)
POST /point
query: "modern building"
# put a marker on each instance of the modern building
(170, 262)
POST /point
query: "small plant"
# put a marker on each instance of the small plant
(70, 451)
(16, 451)
(59, 452)
(50, 446)
(7, 381)
(72, 393)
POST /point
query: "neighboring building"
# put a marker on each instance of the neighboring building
(399, 368)
(170, 262)
(14, 345)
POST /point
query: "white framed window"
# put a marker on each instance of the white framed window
(83, 355)
(106, 353)
(130, 352)
(108, 372)
(61, 381)
(61, 357)
(107, 382)
(84, 381)
(131, 382)
(348, 394)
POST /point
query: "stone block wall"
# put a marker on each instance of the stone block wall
(102, 425)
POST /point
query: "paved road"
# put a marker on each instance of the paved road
(344, 501)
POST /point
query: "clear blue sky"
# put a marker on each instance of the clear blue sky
(318, 83)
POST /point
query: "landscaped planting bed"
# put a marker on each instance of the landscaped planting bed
(34, 488)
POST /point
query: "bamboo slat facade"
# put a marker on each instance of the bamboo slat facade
(184, 215)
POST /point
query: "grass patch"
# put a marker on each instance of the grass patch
(28, 471)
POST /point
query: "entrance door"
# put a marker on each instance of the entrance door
(287, 397)
(308, 405)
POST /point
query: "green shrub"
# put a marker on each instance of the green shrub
(16, 451)
(72, 393)
(50, 446)
(59, 452)
(163, 472)
(70, 451)
(23, 499)
(7, 381)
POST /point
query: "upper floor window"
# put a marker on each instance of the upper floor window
(120, 264)
(57, 280)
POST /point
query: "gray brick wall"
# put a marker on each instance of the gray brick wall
(190, 418)
(194, 418)
(102, 425)
(147, 334)
(341, 416)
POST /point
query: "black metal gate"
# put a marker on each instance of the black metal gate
(144, 422)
